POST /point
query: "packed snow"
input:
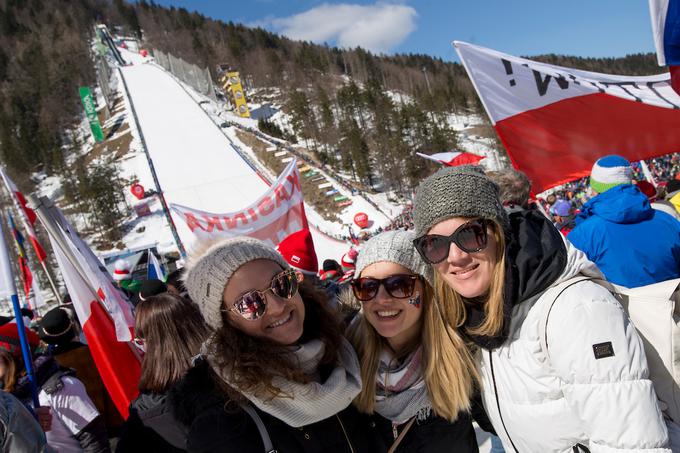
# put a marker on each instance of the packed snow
(196, 163)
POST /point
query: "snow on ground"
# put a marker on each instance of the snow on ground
(196, 164)
(196, 160)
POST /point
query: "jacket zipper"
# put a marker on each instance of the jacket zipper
(498, 403)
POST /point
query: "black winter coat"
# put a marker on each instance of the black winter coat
(433, 435)
(151, 427)
(215, 425)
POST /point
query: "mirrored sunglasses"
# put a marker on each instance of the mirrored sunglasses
(253, 304)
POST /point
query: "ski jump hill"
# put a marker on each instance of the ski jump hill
(195, 163)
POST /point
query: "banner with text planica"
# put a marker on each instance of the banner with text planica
(272, 217)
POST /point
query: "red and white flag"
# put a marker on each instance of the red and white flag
(665, 16)
(453, 158)
(27, 214)
(104, 314)
(276, 214)
(555, 122)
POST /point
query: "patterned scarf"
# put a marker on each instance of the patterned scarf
(314, 401)
(400, 392)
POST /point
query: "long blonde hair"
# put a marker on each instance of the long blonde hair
(453, 304)
(448, 367)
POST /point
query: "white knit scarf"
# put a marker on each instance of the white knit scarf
(401, 392)
(314, 401)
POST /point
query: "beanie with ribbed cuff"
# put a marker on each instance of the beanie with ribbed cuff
(610, 171)
(210, 267)
(395, 247)
(463, 191)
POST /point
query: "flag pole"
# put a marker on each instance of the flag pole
(10, 288)
(43, 209)
(20, 215)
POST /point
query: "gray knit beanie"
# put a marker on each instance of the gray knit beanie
(396, 247)
(211, 265)
(463, 191)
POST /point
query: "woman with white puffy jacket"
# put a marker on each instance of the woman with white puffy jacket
(561, 367)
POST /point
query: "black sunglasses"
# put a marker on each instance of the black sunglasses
(399, 286)
(470, 237)
(253, 304)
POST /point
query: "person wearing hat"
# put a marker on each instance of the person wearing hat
(148, 288)
(122, 276)
(298, 250)
(563, 217)
(348, 262)
(58, 330)
(561, 368)
(276, 359)
(632, 243)
(400, 336)
(76, 425)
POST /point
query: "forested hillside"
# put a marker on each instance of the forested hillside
(341, 101)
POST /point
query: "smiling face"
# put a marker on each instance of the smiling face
(469, 274)
(396, 320)
(283, 319)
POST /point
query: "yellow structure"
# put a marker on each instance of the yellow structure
(232, 84)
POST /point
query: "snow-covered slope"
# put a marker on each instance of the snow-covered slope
(195, 163)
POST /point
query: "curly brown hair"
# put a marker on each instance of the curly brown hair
(251, 363)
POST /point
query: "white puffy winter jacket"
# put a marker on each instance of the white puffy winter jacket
(541, 405)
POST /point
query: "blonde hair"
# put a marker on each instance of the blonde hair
(453, 304)
(448, 368)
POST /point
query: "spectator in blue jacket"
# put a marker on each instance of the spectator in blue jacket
(632, 243)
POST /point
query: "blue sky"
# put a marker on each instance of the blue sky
(589, 28)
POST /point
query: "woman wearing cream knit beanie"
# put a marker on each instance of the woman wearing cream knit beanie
(276, 349)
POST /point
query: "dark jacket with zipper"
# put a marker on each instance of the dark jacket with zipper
(152, 427)
(432, 435)
(217, 425)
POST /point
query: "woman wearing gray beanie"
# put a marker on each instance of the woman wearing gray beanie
(408, 361)
(560, 365)
(276, 374)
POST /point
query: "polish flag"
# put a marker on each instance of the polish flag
(555, 122)
(453, 158)
(27, 214)
(104, 314)
(665, 16)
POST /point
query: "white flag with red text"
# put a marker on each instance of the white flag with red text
(555, 122)
(276, 214)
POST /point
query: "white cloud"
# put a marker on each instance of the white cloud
(379, 27)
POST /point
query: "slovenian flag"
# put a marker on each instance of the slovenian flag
(666, 28)
(154, 270)
(453, 158)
